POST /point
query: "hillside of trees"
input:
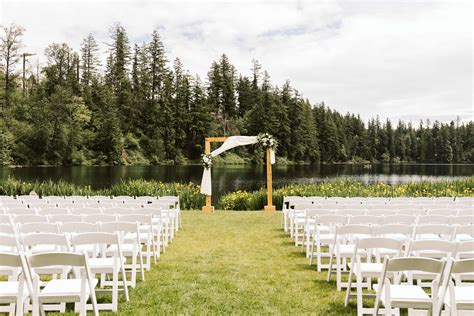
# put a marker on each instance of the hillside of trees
(141, 108)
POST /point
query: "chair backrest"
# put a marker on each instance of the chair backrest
(11, 260)
(365, 219)
(88, 210)
(79, 227)
(99, 218)
(94, 238)
(39, 228)
(117, 210)
(35, 239)
(65, 218)
(349, 233)
(435, 229)
(399, 219)
(379, 243)
(463, 266)
(387, 229)
(21, 219)
(7, 229)
(465, 249)
(462, 220)
(136, 218)
(118, 226)
(332, 220)
(434, 219)
(9, 243)
(51, 210)
(411, 211)
(442, 211)
(414, 264)
(425, 248)
(351, 212)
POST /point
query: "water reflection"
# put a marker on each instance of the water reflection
(231, 178)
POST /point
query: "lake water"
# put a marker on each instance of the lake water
(242, 177)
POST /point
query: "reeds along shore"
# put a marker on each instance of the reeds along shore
(191, 199)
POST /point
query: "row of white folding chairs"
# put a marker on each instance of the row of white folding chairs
(380, 200)
(23, 292)
(109, 259)
(370, 259)
(291, 205)
(151, 235)
(300, 222)
(325, 232)
(166, 202)
(161, 222)
(171, 217)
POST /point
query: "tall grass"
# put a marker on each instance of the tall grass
(190, 197)
(242, 200)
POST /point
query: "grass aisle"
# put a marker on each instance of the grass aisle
(234, 263)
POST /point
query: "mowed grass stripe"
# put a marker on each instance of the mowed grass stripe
(234, 263)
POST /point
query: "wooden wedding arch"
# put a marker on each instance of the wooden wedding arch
(269, 208)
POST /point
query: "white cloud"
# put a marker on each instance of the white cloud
(397, 59)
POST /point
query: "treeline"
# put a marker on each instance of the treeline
(141, 108)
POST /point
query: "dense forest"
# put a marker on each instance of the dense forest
(138, 107)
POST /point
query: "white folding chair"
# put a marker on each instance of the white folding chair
(146, 227)
(435, 249)
(395, 295)
(15, 291)
(372, 267)
(104, 263)
(324, 236)
(76, 290)
(460, 296)
(343, 249)
(131, 249)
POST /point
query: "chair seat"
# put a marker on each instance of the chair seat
(406, 296)
(464, 297)
(143, 236)
(9, 291)
(63, 290)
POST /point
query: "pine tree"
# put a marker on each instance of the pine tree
(89, 60)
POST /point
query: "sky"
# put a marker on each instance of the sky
(400, 59)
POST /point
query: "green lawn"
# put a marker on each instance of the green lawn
(234, 263)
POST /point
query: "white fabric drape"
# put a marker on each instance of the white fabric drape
(231, 142)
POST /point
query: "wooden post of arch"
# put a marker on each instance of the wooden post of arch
(208, 208)
(269, 208)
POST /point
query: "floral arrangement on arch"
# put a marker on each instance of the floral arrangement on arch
(267, 140)
(206, 161)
